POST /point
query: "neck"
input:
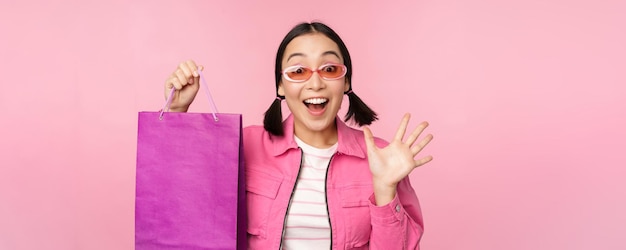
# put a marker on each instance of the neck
(319, 139)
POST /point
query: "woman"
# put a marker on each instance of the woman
(312, 182)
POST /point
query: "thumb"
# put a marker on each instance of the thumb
(369, 139)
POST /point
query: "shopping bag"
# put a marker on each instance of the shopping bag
(190, 190)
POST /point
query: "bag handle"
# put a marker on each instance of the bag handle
(206, 91)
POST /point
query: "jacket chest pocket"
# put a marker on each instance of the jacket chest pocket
(261, 191)
(355, 205)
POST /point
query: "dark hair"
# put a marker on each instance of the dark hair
(358, 111)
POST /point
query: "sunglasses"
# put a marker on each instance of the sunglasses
(329, 71)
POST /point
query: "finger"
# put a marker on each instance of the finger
(417, 148)
(369, 139)
(168, 87)
(187, 72)
(416, 133)
(182, 79)
(423, 161)
(168, 84)
(176, 83)
(196, 75)
(172, 82)
(193, 67)
(200, 68)
(402, 128)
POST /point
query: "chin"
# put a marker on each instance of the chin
(319, 124)
(322, 124)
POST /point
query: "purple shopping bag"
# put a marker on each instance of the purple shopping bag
(190, 191)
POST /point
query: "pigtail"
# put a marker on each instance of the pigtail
(273, 121)
(358, 111)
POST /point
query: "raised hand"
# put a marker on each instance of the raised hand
(391, 164)
(186, 80)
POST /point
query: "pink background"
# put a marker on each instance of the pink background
(526, 100)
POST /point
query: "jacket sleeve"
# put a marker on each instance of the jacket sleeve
(399, 224)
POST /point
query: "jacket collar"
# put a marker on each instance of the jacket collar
(348, 143)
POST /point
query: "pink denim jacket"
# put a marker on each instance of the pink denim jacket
(272, 167)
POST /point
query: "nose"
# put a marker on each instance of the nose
(315, 82)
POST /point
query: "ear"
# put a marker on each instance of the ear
(346, 86)
(281, 90)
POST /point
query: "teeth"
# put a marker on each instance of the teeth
(316, 100)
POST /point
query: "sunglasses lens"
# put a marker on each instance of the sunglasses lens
(298, 73)
(301, 74)
(332, 71)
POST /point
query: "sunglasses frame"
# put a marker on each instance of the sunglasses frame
(285, 71)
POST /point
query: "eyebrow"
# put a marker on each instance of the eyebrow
(330, 52)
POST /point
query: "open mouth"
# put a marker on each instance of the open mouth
(316, 104)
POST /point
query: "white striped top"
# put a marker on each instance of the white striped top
(307, 225)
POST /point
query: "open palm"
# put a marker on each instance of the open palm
(389, 165)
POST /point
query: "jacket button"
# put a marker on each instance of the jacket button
(398, 208)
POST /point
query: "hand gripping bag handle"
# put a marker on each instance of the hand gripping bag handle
(206, 90)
